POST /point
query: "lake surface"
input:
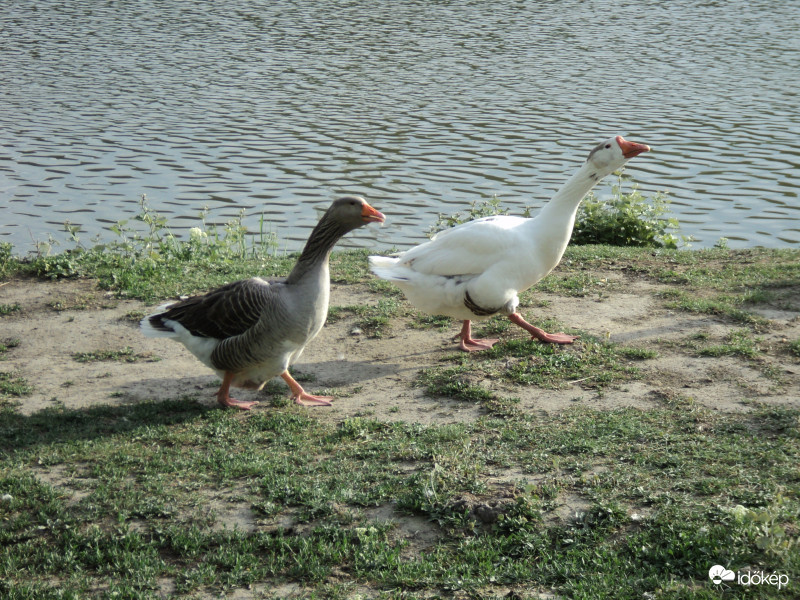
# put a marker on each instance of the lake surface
(421, 106)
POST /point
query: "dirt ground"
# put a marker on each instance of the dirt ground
(376, 377)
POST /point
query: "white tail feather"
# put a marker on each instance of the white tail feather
(147, 328)
(149, 331)
(389, 268)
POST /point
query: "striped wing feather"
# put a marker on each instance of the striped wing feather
(223, 313)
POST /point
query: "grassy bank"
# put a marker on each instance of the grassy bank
(172, 498)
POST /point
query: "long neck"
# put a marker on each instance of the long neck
(553, 225)
(318, 248)
(564, 204)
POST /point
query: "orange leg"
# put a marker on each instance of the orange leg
(223, 395)
(300, 396)
(540, 334)
(469, 344)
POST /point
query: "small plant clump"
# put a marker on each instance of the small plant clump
(736, 343)
(8, 264)
(7, 309)
(6, 344)
(231, 243)
(626, 219)
(125, 354)
(11, 384)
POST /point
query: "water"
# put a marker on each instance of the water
(422, 107)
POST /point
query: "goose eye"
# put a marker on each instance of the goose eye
(608, 145)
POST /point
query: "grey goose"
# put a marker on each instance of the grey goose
(252, 330)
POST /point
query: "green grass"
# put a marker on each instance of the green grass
(8, 309)
(591, 363)
(373, 320)
(454, 382)
(720, 305)
(13, 386)
(549, 365)
(732, 282)
(736, 343)
(717, 282)
(175, 499)
(126, 354)
(109, 501)
(637, 353)
(577, 284)
(7, 344)
(423, 321)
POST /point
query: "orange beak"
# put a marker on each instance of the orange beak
(370, 215)
(631, 149)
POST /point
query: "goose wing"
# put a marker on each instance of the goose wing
(468, 249)
(223, 313)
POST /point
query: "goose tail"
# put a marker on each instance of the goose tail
(154, 326)
(387, 267)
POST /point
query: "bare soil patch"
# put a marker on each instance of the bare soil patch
(377, 377)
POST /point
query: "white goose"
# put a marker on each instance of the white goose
(250, 331)
(477, 269)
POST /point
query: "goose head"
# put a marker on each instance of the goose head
(351, 212)
(611, 154)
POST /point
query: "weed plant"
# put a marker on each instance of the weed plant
(154, 263)
(125, 354)
(7, 344)
(626, 219)
(13, 385)
(8, 309)
(8, 265)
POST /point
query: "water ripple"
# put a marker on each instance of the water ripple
(278, 107)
